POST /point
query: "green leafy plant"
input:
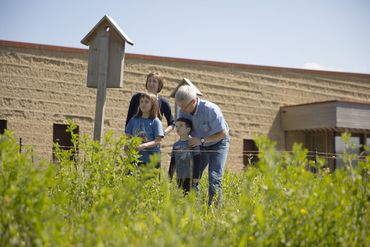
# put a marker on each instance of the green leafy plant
(99, 197)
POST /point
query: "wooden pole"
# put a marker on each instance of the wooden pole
(102, 84)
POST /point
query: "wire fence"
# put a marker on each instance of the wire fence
(310, 154)
(248, 155)
(315, 154)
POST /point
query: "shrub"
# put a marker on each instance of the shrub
(99, 198)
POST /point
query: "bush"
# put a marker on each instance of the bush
(100, 198)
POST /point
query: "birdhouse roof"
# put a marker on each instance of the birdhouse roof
(185, 81)
(106, 20)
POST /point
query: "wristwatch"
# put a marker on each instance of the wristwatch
(202, 141)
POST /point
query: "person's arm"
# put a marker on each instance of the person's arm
(166, 111)
(168, 129)
(158, 131)
(129, 127)
(133, 107)
(195, 141)
(150, 144)
(172, 168)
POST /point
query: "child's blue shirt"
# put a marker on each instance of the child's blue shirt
(184, 159)
(147, 129)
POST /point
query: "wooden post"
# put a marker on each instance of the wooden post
(106, 43)
(102, 84)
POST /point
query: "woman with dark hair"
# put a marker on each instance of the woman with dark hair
(154, 85)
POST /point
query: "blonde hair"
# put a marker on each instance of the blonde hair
(154, 111)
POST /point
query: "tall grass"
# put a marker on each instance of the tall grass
(99, 198)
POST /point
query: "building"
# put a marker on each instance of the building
(42, 86)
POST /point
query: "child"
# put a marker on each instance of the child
(184, 159)
(147, 125)
(154, 84)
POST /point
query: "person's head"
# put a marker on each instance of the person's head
(154, 82)
(183, 126)
(186, 98)
(149, 106)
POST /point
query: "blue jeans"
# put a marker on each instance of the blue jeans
(215, 157)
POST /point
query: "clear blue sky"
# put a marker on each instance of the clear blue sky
(323, 34)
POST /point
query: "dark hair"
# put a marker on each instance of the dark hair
(187, 122)
(158, 77)
(155, 107)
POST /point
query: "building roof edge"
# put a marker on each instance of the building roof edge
(187, 60)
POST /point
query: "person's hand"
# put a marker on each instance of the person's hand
(140, 147)
(194, 141)
(195, 186)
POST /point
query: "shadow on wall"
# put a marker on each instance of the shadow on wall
(276, 133)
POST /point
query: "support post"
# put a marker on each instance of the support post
(102, 85)
(106, 43)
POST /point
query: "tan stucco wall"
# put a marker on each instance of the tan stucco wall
(41, 86)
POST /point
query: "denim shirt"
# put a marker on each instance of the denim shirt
(184, 158)
(207, 120)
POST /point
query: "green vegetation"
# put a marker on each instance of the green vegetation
(98, 198)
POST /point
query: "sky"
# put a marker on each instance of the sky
(313, 34)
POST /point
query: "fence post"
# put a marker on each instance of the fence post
(20, 145)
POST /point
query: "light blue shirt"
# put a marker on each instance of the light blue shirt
(207, 120)
(148, 130)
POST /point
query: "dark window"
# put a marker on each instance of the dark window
(354, 147)
(62, 137)
(317, 141)
(2, 126)
(250, 152)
